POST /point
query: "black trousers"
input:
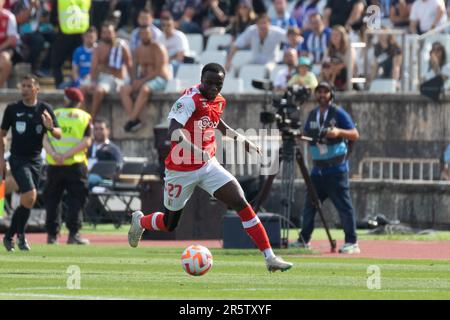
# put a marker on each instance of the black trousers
(62, 49)
(73, 180)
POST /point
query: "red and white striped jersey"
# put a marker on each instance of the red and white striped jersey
(199, 117)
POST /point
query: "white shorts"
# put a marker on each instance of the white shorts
(179, 185)
(109, 83)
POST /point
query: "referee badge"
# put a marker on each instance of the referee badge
(39, 129)
(21, 126)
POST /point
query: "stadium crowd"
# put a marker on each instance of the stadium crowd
(135, 47)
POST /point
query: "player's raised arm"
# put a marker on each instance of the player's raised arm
(226, 130)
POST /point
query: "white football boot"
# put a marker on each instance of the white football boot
(276, 263)
(136, 231)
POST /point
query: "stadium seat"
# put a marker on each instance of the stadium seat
(232, 85)
(195, 41)
(240, 58)
(251, 72)
(383, 86)
(189, 74)
(173, 85)
(217, 56)
(274, 72)
(215, 41)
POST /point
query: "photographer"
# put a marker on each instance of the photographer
(331, 128)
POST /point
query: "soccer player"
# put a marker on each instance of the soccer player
(196, 113)
(29, 120)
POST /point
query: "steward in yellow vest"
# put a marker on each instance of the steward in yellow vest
(67, 168)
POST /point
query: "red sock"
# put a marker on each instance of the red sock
(254, 228)
(154, 222)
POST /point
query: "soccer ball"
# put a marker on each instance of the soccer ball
(196, 260)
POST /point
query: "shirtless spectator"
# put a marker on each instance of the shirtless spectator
(110, 61)
(8, 40)
(150, 73)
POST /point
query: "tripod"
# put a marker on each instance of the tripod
(289, 154)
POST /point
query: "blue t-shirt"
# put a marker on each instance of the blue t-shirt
(82, 58)
(342, 120)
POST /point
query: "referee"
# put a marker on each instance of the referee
(29, 120)
(67, 168)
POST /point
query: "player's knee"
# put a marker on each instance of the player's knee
(238, 204)
(28, 199)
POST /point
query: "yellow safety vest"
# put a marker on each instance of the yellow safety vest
(73, 123)
(74, 16)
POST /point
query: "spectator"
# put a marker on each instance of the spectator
(445, 174)
(303, 9)
(145, 19)
(8, 41)
(438, 65)
(213, 14)
(388, 58)
(282, 77)
(151, 75)
(244, 16)
(317, 40)
(399, 12)
(183, 12)
(426, 15)
(294, 39)
(347, 13)
(304, 77)
(109, 60)
(282, 17)
(82, 61)
(36, 32)
(102, 149)
(264, 41)
(174, 41)
(69, 34)
(342, 57)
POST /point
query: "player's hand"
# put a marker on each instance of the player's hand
(333, 133)
(47, 120)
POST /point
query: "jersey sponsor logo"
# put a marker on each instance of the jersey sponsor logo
(21, 126)
(39, 129)
(205, 122)
(20, 114)
(178, 107)
(30, 115)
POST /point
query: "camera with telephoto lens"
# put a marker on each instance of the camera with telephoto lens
(288, 112)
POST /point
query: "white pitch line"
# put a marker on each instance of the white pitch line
(58, 296)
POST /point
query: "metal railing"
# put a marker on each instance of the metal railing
(407, 169)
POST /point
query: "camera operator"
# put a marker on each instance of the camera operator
(332, 129)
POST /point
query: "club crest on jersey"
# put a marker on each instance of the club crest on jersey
(21, 126)
(39, 129)
(205, 122)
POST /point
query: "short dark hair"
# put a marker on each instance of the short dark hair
(262, 15)
(102, 121)
(108, 23)
(91, 29)
(213, 67)
(31, 78)
(146, 11)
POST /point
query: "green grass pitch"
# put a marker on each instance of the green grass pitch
(156, 273)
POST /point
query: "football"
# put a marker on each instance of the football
(196, 260)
